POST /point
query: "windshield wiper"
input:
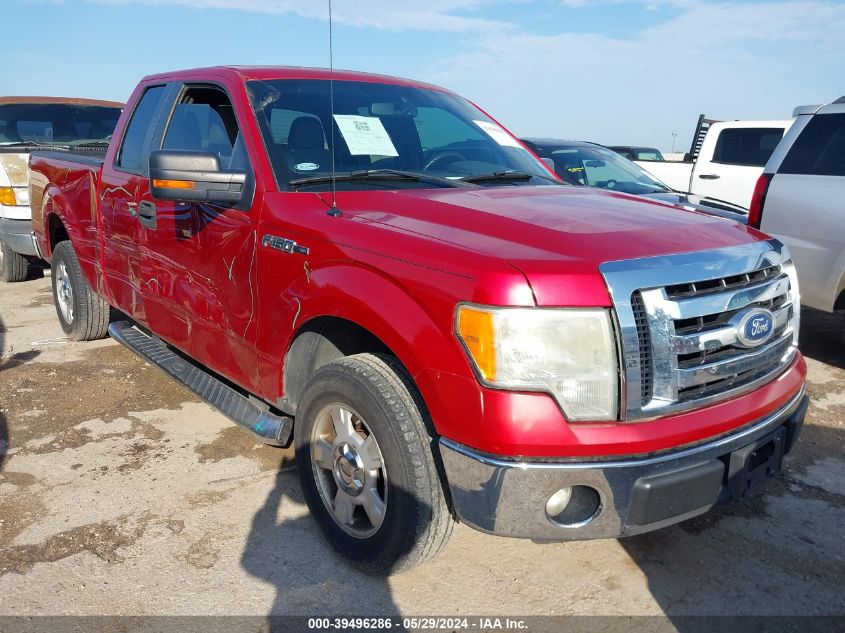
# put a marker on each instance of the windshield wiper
(376, 174)
(97, 142)
(509, 174)
(33, 144)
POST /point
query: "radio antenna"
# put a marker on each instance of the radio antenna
(333, 211)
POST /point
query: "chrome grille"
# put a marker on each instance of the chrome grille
(679, 345)
(644, 338)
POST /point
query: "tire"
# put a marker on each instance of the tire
(375, 395)
(83, 315)
(13, 266)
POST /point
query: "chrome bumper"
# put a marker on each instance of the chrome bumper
(509, 498)
(18, 235)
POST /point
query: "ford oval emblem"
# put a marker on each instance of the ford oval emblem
(754, 326)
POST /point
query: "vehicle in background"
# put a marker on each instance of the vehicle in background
(725, 159)
(28, 123)
(581, 163)
(800, 198)
(376, 270)
(638, 153)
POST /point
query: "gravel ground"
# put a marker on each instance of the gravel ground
(120, 493)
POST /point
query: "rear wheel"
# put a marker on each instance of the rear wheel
(83, 315)
(13, 266)
(366, 466)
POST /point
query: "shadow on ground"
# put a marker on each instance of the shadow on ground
(778, 552)
(823, 336)
(307, 575)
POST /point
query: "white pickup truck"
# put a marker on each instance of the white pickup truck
(725, 160)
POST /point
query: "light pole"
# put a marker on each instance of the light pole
(674, 136)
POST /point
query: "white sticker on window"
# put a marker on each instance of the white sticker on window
(365, 135)
(306, 166)
(497, 134)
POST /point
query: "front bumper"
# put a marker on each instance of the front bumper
(17, 234)
(508, 497)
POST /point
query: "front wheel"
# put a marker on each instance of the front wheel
(366, 465)
(83, 315)
(13, 266)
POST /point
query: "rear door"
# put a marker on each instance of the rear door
(732, 158)
(119, 185)
(198, 259)
(805, 204)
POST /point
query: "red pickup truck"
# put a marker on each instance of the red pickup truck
(376, 270)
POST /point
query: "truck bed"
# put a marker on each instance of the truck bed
(63, 184)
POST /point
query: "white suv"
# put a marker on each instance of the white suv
(800, 198)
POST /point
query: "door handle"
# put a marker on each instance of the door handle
(147, 214)
(709, 176)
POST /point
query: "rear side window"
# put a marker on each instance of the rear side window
(751, 146)
(819, 149)
(138, 131)
(649, 154)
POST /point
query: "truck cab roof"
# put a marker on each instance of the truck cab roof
(266, 73)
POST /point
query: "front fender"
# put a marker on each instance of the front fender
(416, 327)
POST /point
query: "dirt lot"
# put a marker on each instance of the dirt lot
(122, 494)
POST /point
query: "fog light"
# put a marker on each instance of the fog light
(574, 506)
(558, 501)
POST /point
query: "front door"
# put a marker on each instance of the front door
(198, 259)
(118, 204)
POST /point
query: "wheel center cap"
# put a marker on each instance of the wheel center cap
(348, 469)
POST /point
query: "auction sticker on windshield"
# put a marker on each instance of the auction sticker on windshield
(365, 135)
(497, 134)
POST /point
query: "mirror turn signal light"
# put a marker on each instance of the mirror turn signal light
(173, 184)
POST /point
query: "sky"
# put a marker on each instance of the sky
(617, 72)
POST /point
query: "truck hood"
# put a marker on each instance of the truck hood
(550, 233)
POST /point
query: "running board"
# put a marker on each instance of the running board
(269, 428)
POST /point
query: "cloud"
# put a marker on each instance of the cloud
(394, 15)
(729, 60)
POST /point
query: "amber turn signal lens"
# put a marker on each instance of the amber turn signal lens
(475, 327)
(7, 196)
(173, 184)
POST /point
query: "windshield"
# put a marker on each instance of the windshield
(56, 123)
(600, 167)
(383, 127)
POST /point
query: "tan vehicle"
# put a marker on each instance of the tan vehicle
(28, 123)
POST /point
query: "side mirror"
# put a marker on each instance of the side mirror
(192, 176)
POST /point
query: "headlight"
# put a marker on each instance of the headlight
(568, 352)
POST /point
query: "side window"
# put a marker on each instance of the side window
(140, 126)
(204, 120)
(751, 146)
(649, 154)
(437, 128)
(819, 149)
